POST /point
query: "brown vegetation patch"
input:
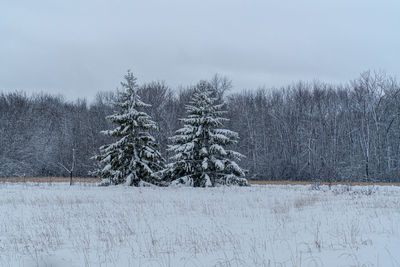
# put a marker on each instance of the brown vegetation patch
(97, 180)
(49, 179)
(321, 183)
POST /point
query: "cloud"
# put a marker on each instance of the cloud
(79, 47)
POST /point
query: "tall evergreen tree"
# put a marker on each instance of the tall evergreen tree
(133, 159)
(201, 159)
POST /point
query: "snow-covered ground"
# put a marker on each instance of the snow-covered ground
(273, 225)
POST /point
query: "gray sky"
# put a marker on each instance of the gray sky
(79, 47)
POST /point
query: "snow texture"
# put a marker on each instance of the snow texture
(273, 225)
(201, 159)
(134, 156)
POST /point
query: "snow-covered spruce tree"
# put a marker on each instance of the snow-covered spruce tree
(201, 158)
(133, 159)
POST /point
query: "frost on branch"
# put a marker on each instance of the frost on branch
(133, 159)
(201, 157)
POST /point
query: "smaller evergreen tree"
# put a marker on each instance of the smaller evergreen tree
(201, 158)
(133, 159)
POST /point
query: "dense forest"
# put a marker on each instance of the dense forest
(305, 131)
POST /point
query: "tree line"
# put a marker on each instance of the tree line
(304, 131)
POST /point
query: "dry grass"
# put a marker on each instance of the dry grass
(322, 183)
(86, 225)
(97, 180)
(49, 179)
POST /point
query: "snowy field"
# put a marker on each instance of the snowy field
(272, 225)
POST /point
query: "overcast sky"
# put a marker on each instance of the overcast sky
(79, 47)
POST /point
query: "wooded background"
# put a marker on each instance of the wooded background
(305, 131)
